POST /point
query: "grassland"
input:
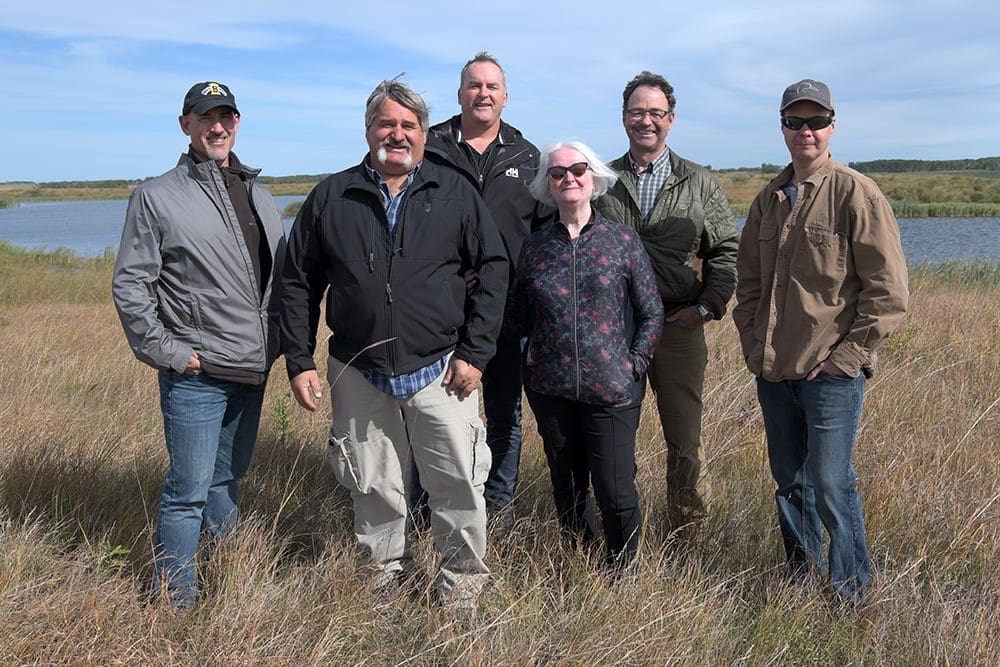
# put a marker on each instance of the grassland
(923, 194)
(940, 194)
(82, 460)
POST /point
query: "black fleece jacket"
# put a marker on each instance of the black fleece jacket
(397, 301)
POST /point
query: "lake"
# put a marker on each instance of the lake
(88, 227)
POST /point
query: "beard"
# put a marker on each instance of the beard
(382, 155)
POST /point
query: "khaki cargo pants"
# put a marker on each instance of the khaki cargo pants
(375, 438)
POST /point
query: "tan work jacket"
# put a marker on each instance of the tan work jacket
(823, 279)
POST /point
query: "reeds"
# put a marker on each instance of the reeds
(81, 463)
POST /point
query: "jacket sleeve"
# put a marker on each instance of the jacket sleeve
(515, 323)
(483, 251)
(303, 283)
(881, 271)
(719, 244)
(134, 289)
(749, 285)
(647, 308)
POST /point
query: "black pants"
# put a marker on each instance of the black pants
(592, 442)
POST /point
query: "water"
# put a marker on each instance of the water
(89, 227)
(85, 227)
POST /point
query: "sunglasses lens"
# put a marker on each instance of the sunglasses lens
(815, 123)
(578, 170)
(792, 123)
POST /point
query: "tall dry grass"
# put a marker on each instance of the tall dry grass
(81, 461)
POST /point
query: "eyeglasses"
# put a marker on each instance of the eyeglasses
(655, 114)
(814, 123)
(559, 173)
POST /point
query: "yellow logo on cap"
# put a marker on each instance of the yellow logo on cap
(213, 89)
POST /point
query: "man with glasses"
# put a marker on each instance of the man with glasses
(499, 163)
(199, 257)
(688, 229)
(822, 283)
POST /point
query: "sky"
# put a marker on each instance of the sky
(92, 90)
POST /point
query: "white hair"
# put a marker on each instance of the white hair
(604, 176)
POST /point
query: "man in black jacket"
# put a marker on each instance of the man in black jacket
(389, 241)
(500, 163)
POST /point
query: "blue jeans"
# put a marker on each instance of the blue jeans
(811, 427)
(502, 406)
(210, 427)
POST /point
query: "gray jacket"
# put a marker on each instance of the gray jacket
(184, 280)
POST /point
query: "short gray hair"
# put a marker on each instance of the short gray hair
(481, 57)
(400, 93)
(604, 176)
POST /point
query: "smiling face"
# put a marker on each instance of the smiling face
(569, 189)
(647, 135)
(807, 146)
(395, 140)
(483, 94)
(212, 133)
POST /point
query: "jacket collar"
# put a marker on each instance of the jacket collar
(202, 171)
(445, 136)
(779, 181)
(426, 176)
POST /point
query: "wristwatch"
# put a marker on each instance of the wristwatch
(706, 314)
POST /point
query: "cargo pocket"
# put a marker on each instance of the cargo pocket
(341, 452)
(481, 457)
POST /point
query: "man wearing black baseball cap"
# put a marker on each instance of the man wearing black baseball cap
(822, 283)
(200, 249)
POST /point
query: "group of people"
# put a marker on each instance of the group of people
(459, 257)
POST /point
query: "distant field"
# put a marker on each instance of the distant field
(917, 194)
(931, 194)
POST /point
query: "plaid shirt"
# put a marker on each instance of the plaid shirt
(400, 387)
(650, 180)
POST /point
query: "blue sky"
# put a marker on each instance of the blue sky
(92, 90)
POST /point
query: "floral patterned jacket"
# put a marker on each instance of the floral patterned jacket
(590, 311)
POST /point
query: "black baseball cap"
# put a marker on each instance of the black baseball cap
(205, 96)
(807, 89)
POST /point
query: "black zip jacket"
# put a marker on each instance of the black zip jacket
(504, 186)
(399, 301)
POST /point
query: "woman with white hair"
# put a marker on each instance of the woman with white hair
(585, 298)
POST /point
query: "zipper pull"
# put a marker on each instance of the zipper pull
(371, 262)
(388, 292)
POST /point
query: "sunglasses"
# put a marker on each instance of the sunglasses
(814, 123)
(559, 173)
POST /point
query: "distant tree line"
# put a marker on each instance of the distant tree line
(899, 166)
(764, 168)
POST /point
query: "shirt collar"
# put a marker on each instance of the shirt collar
(654, 166)
(380, 182)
